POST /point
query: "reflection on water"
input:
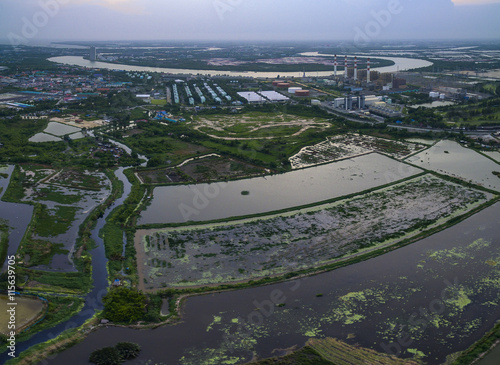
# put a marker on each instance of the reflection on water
(401, 64)
(17, 216)
(202, 202)
(451, 158)
(446, 283)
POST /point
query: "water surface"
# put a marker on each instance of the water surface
(401, 64)
(447, 284)
(202, 202)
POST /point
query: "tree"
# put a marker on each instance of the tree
(105, 356)
(128, 350)
(124, 305)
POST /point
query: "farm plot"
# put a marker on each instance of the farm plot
(55, 131)
(65, 199)
(210, 168)
(258, 126)
(351, 145)
(274, 245)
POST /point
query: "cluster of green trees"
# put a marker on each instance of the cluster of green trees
(121, 352)
(124, 305)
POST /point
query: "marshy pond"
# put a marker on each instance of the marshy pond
(298, 240)
(441, 293)
(203, 202)
(450, 158)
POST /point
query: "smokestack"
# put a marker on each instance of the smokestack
(368, 72)
(345, 67)
(355, 68)
(335, 66)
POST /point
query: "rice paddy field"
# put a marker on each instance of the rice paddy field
(254, 248)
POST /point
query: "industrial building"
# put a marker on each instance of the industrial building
(93, 54)
(274, 96)
(251, 97)
(383, 110)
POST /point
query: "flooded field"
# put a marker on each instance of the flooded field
(202, 202)
(493, 155)
(255, 248)
(55, 131)
(350, 145)
(44, 137)
(66, 198)
(16, 216)
(452, 159)
(437, 296)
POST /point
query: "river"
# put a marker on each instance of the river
(438, 296)
(93, 300)
(400, 64)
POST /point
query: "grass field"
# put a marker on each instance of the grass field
(28, 310)
(340, 353)
(258, 125)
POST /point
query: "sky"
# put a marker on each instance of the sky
(31, 21)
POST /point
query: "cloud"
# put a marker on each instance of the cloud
(124, 6)
(475, 2)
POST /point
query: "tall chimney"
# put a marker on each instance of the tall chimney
(345, 67)
(368, 72)
(335, 67)
(355, 68)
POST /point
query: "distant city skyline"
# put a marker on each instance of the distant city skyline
(32, 21)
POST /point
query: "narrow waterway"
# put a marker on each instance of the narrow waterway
(93, 300)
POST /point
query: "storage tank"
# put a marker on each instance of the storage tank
(315, 102)
(292, 90)
(283, 85)
(302, 93)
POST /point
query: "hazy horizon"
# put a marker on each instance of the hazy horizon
(362, 21)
